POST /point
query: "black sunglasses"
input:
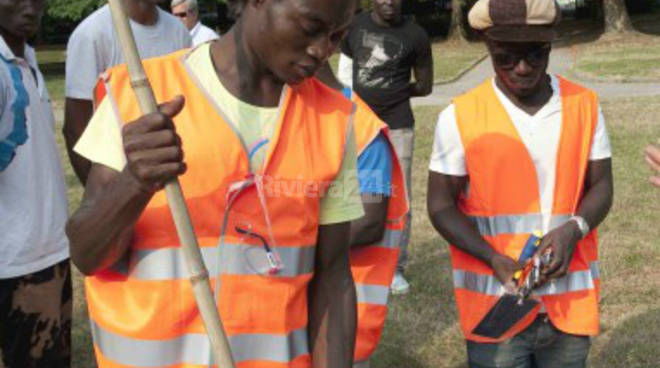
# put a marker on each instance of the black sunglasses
(181, 14)
(534, 57)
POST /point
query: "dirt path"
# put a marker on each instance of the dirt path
(561, 61)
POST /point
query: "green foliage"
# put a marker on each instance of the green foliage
(72, 10)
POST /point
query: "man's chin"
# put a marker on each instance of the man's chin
(296, 82)
(524, 91)
(28, 30)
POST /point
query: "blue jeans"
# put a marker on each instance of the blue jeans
(541, 345)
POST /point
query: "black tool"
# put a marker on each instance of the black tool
(512, 308)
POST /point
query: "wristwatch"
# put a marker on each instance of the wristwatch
(582, 225)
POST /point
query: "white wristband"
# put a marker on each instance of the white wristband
(582, 225)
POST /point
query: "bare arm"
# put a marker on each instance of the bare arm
(652, 155)
(77, 113)
(369, 229)
(599, 192)
(332, 300)
(100, 230)
(423, 72)
(456, 228)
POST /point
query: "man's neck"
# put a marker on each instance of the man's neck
(533, 103)
(16, 44)
(197, 23)
(240, 71)
(382, 22)
(140, 11)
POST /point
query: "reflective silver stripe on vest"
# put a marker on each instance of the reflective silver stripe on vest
(392, 238)
(515, 224)
(195, 349)
(485, 284)
(372, 294)
(490, 285)
(595, 269)
(169, 263)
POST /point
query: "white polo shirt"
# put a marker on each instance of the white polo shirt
(33, 203)
(94, 47)
(539, 132)
(201, 33)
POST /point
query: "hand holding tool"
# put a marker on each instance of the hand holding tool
(511, 308)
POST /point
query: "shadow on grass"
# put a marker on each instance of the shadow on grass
(575, 32)
(626, 347)
(648, 24)
(52, 69)
(82, 346)
(421, 327)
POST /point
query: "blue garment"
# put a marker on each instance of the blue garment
(375, 167)
(18, 135)
(347, 92)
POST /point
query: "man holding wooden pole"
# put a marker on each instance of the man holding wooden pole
(269, 177)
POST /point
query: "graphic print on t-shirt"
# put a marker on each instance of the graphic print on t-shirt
(376, 54)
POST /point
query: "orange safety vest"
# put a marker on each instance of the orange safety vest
(373, 266)
(504, 203)
(142, 310)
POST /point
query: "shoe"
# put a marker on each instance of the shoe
(399, 284)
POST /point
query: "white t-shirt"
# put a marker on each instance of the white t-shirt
(94, 47)
(201, 33)
(540, 133)
(33, 203)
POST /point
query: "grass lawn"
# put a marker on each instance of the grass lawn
(51, 54)
(635, 58)
(51, 63)
(422, 329)
(451, 59)
(629, 57)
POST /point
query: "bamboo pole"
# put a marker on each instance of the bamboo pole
(197, 271)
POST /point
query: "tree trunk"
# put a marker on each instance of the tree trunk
(616, 16)
(457, 25)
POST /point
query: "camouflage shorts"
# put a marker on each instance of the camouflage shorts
(35, 319)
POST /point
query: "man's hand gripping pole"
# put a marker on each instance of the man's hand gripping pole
(197, 270)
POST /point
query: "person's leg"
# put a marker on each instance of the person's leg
(403, 141)
(6, 288)
(37, 328)
(517, 352)
(514, 353)
(556, 349)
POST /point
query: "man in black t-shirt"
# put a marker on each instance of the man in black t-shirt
(377, 57)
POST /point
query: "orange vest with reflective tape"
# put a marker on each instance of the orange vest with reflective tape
(373, 266)
(503, 201)
(143, 311)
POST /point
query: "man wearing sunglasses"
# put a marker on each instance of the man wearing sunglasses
(523, 152)
(188, 12)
